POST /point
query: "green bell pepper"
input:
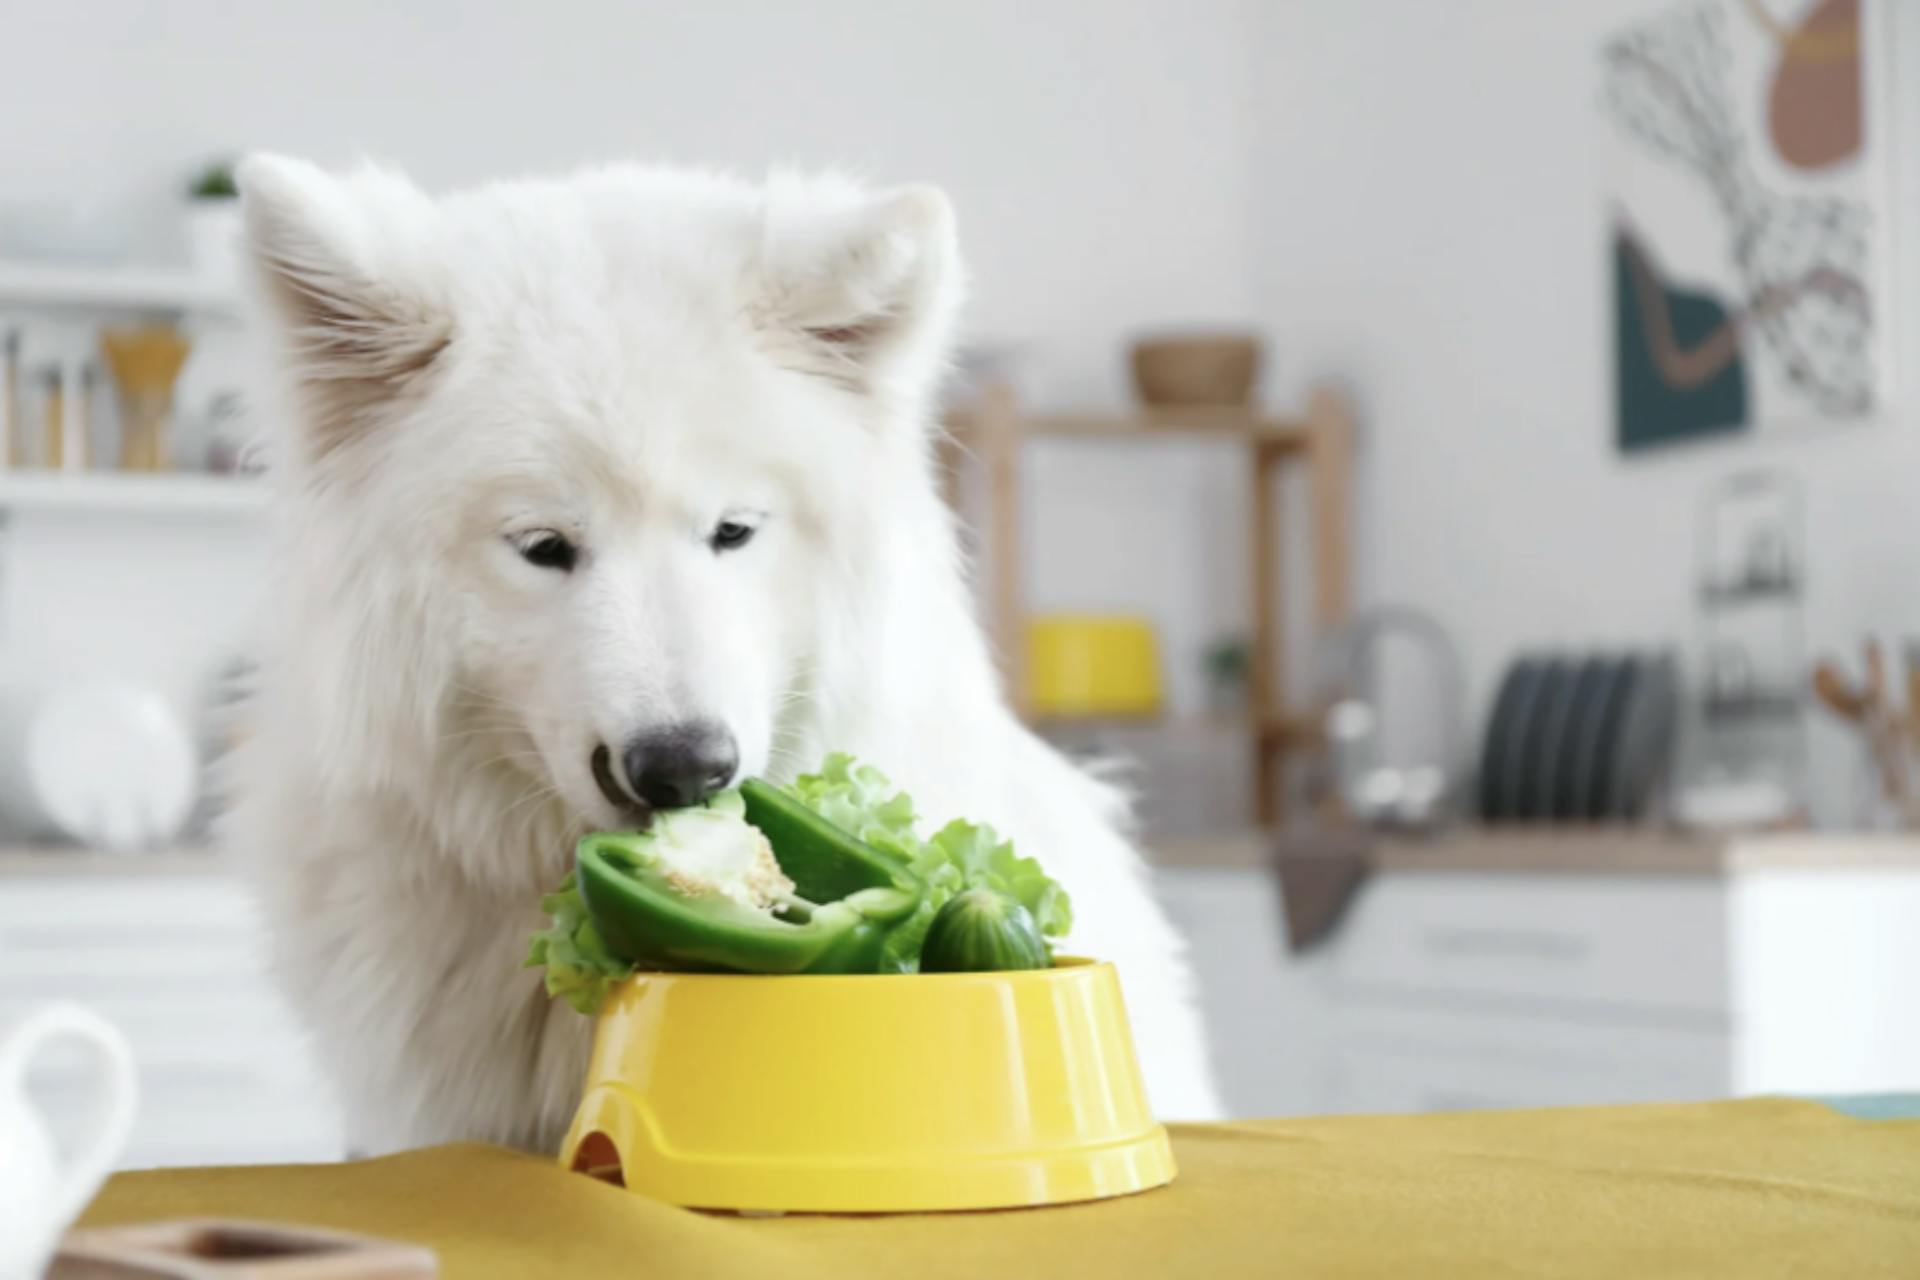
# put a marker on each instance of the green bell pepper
(848, 900)
(828, 874)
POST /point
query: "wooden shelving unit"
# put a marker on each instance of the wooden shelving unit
(76, 298)
(1319, 441)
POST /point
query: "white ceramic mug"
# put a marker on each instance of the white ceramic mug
(38, 1196)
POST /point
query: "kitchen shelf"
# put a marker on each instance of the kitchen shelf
(1298, 730)
(1150, 424)
(1318, 441)
(27, 861)
(131, 492)
(25, 285)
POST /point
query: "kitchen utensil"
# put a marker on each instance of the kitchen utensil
(1596, 716)
(1838, 694)
(1579, 739)
(1087, 666)
(1752, 804)
(89, 395)
(1518, 688)
(10, 424)
(1891, 737)
(1370, 789)
(1747, 734)
(1543, 740)
(1911, 655)
(1574, 751)
(1769, 562)
(39, 1195)
(43, 443)
(894, 1095)
(1644, 754)
(220, 1249)
(1513, 761)
(1731, 686)
(1196, 369)
(145, 363)
(1602, 747)
(226, 433)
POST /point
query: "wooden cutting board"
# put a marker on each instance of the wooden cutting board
(219, 1249)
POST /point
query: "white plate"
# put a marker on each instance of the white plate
(112, 766)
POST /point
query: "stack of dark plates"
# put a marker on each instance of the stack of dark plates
(1580, 738)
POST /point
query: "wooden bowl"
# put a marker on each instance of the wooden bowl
(1201, 369)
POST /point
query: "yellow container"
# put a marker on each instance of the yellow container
(869, 1094)
(1089, 666)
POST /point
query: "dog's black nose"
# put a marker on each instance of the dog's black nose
(680, 765)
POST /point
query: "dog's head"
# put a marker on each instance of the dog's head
(582, 469)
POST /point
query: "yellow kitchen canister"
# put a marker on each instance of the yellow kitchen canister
(1092, 666)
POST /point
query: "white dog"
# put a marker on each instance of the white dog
(596, 494)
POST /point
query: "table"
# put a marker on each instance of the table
(1756, 1188)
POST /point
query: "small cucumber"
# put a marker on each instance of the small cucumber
(980, 931)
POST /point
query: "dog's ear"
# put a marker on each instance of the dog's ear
(864, 292)
(346, 287)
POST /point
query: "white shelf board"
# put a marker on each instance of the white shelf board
(130, 492)
(27, 861)
(116, 288)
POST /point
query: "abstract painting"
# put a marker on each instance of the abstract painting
(1748, 232)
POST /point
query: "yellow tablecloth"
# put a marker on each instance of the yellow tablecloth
(1757, 1188)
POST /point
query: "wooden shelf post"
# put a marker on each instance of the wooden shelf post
(1265, 674)
(1321, 440)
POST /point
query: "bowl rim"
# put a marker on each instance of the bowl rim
(1063, 969)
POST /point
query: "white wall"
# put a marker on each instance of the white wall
(1431, 216)
(1097, 149)
(1405, 194)
(1098, 152)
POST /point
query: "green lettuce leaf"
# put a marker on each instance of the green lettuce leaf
(961, 855)
(985, 861)
(580, 969)
(858, 798)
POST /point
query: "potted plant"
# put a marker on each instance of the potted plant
(213, 221)
(1227, 661)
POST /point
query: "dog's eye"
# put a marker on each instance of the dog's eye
(731, 535)
(547, 550)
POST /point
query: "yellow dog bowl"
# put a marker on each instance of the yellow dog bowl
(869, 1094)
(1091, 666)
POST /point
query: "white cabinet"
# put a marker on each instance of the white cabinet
(1493, 987)
(173, 956)
(1262, 1009)
(1522, 970)
(1641, 942)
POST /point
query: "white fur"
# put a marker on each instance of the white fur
(627, 356)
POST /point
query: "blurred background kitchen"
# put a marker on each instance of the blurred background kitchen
(1463, 455)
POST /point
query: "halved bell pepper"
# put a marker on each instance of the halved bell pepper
(853, 909)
